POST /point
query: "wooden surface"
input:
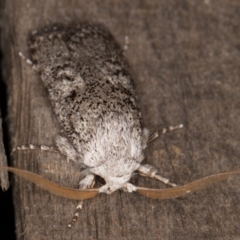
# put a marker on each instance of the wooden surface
(185, 58)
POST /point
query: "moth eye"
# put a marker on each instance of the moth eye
(101, 180)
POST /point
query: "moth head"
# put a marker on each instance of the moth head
(114, 183)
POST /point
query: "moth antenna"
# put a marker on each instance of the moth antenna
(185, 189)
(76, 194)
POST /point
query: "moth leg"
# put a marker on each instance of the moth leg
(126, 44)
(34, 147)
(162, 131)
(66, 148)
(27, 60)
(128, 187)
(150, 171)
(87, 182)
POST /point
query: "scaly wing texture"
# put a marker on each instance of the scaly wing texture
(87, 78)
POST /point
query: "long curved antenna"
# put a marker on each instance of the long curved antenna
(185, 189)
(148, 192)
(75, 194)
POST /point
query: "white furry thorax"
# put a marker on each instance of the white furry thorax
(115, 151)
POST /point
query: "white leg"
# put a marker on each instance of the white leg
(150, 171)
(34, 147)
(27, 60)
(63, 146)
(87, 182)
(128, 187)
(157, 134)
(66, 148)
(126, 41)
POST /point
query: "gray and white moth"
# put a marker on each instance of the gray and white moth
(92, 95)
(91, 91)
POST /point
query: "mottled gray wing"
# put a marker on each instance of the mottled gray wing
(86, 75)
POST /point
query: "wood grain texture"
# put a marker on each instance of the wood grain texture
(184, 58)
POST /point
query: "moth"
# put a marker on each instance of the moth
(91, 91)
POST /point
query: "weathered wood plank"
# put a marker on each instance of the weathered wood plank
(184, 57)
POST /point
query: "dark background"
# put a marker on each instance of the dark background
(7, 227)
